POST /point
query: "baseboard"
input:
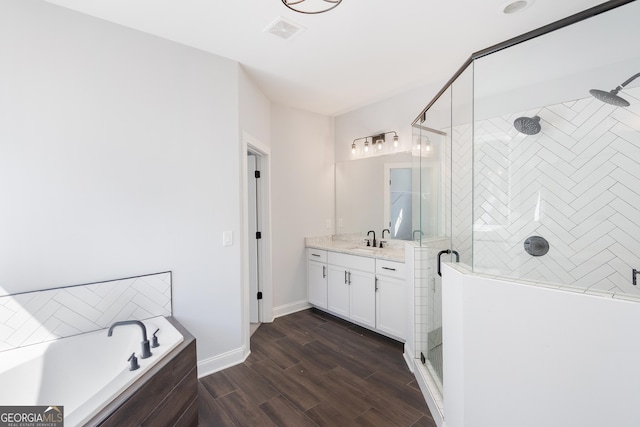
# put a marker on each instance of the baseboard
(222, 361)
(423, 379)
(293, 307)
(409, 358)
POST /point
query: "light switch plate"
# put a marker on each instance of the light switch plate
(227, 238)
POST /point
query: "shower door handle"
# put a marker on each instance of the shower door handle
(446, 251)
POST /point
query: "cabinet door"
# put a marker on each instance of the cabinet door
(362, 298)
(390, 304)
(338, 291)
(317, 282)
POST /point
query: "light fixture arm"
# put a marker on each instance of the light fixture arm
(301, 7)
(395, 134)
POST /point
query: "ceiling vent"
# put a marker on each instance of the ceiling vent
(284, 28)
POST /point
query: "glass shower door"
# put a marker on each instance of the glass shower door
(446, 138)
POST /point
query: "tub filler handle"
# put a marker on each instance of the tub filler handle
(154, 340)
(146, 351)
(134, 362)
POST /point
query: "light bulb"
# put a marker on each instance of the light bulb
(379, 144)
(353, 148)
(428, 146)
(366, 146)
(395, 141)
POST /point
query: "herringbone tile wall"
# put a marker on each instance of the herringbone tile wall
(576, 183)
(40, 316)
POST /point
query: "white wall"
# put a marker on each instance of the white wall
(302, 197)
(119, 155)
(255, 110)
(393, 114)
(523, 355)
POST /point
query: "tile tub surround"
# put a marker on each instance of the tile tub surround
(40, 316)
(353, 244)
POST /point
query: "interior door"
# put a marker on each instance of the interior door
(254, 250)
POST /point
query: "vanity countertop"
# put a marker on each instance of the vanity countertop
(393, 252)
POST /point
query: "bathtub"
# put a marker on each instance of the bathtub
(84, 372)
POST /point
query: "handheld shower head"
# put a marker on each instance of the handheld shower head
(612, 97)
(527, 125)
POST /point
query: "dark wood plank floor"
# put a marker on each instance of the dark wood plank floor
(313, 369)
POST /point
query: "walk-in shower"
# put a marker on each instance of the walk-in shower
(560, 210)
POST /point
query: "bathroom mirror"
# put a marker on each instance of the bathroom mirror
(375, 193)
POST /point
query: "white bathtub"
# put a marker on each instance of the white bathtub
(83, 373)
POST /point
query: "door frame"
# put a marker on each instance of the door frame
(255, 146)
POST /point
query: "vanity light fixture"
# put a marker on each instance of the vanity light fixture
(311, 7)
(376, 141)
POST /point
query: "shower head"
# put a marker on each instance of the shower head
(527, 125)
(612, 97)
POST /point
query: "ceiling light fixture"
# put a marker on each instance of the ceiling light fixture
(376, 140)
(516, 6)
(311, 7)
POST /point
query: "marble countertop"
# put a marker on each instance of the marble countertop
(394, 251)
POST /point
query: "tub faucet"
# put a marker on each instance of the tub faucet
(374, 237)
(146, 350)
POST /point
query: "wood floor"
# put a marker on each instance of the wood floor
(312, 369)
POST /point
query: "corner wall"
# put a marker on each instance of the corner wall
(302, 172)
(119, 156)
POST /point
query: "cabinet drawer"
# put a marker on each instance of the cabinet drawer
(390, 268)
(352, 261)
(316, 255)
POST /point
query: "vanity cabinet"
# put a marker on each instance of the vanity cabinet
(367, 291)
(390, 298)
(351, 288)
(317, 276)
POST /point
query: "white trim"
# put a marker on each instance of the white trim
(293, 307)
(409, 357)
(423, 378)
(222, 361)
(249, 143)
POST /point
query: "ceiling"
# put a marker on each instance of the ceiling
(360, 52)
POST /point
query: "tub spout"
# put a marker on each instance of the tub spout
(146, 350)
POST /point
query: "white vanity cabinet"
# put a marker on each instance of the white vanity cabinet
(364, 290)
(390, 298)
(351, 288)
(317, 272)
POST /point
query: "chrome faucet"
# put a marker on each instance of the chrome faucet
(374, 237)
(146, 350)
